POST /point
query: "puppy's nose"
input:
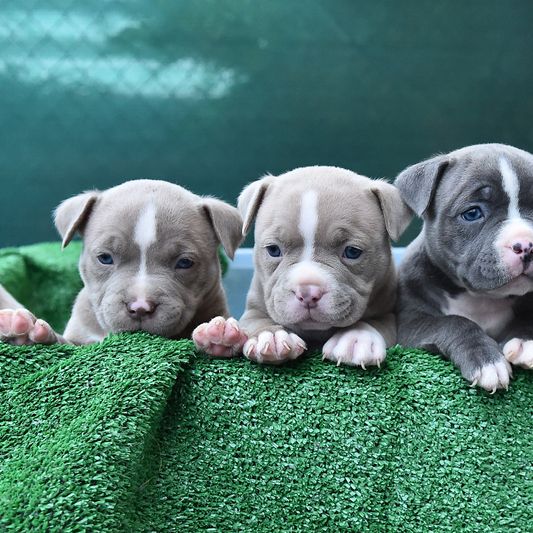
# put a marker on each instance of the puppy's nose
(309, 295)
(523, 248)
(140, 307)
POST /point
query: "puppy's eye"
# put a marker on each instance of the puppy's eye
(184, 262)
(105, 259)
(351, 252)
(273, 250)
(474, 213)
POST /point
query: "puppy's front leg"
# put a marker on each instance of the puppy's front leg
(364, 344)
(461, 340)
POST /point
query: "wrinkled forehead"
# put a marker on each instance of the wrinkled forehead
(505, 174)
(315, 211)
(143, 220)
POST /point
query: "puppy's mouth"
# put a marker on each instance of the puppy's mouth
(310, 324)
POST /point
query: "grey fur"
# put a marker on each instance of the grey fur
(454, 260)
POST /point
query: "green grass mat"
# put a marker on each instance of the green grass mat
(315, 447)
(105, 437)
(140, 433)
(76, 426)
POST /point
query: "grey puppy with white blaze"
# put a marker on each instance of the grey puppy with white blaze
(465, 285)
(149, 263)
(324, 273)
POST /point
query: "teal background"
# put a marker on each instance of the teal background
(211, 94)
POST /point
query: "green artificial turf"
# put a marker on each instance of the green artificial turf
(139, 433)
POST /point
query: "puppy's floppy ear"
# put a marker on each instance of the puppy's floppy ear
(396, 213)
(71, 215)
(250, 200)
(418, 183)
(226, 223)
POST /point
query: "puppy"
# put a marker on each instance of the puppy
(149, 262)
(466, 281)
(324, 273)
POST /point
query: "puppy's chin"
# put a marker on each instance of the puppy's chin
(518, 286)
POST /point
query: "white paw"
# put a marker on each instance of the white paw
(519, 352)
(274, 347)
(220, 337)
(494, 376)
(19, 326)
(361, 346)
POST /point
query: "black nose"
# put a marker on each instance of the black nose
(525, 250)
(140, 308)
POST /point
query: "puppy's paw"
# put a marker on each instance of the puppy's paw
(519, 352)
(220, 337)
(19, 326)
(493, 376)
(274, 348)
(361, 346)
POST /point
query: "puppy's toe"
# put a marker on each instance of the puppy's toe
(6, 317)
(15, 326)
(360, 346)
(42, 333)
(215, 329)
(493, 376)
(233, 335)
(519, 352)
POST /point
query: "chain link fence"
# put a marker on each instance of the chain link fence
(213, 93)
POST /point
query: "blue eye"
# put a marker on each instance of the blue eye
(474, 213)
(351, 252)
(184, 262)
(105, 259)
(273, 250)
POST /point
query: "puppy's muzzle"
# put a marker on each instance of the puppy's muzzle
(140, 308)
(309, 295)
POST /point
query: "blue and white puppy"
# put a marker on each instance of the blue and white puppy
(465, 285)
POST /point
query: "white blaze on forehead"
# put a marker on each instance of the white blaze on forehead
(511, 186)
(144, 235)
(145, 229)
(308, 222)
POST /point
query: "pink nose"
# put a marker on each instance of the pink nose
(309, 295)
(140, 307)
(523, 248)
